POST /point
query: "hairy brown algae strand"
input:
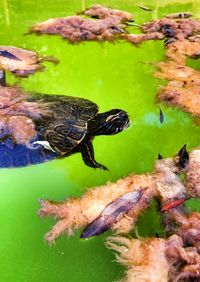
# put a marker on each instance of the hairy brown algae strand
(180, 32)
(75, 213)
(156, 259)
(166, 28)
(179, 51)
(182, 42)
(118, 205)
(182, 89)
(101, 12)
(22, 62)
(108, 25)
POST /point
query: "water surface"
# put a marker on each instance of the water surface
(114, 76)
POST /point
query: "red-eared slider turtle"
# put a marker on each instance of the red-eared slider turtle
(35, 128)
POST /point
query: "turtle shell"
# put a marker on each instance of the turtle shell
(65, 124)
(59, 121)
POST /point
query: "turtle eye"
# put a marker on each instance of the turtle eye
(122, 115)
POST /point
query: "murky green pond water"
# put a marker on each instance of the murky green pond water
(114, 76)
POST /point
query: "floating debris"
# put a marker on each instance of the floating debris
(161, 116)
(183, 88)
(173, 204)
(160, 157)
(145, 8)
(139, 38)
(6, 54)
(183, 157)
(182, 15)
(22, 62)
(177, 28)
(101, 12)
(112, 213)
(108, 25)
(118, 205)
(182, 41)
(179, 51)
(166, 28)
(164, 183)
(156, 259)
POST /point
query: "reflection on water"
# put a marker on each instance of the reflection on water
(113, 76)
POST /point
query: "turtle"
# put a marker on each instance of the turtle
(35, 128)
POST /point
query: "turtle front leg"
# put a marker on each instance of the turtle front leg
(87, 152)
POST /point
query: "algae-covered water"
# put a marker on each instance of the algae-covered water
(114, 76)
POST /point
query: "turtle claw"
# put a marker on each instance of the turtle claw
(103, 167)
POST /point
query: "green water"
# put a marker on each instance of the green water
(114, 76)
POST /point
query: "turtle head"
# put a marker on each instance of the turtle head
(109, 123)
